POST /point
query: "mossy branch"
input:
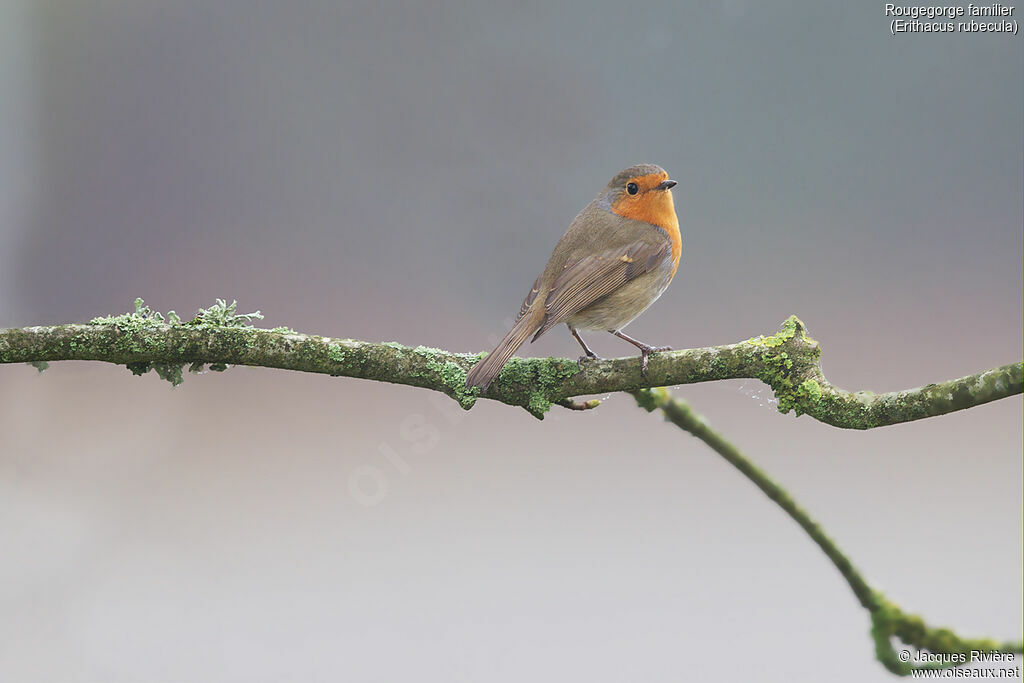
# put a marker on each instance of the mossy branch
(787, 361)
(887, 620)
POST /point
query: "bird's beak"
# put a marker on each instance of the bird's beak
(667, 184)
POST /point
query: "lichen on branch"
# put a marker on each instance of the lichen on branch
(788, 361)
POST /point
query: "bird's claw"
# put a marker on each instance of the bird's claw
(646, 351)
(587, 357)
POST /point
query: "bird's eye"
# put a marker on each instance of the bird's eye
(632, 188)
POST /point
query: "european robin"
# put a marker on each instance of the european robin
(617, 257)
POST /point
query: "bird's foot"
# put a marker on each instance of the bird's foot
(646, 351)
(586, 358)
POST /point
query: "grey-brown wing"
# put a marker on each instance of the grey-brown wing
(530, 298)
(583, 282)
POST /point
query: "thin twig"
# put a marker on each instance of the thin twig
(886, 618)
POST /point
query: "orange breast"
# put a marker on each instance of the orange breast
(654, 207)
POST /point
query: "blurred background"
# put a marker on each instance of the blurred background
(401, 172)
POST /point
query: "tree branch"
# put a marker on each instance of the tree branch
(788, 361)
(887, 620)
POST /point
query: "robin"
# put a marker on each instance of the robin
(617, 257)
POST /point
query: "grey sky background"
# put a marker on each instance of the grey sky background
(401, 172)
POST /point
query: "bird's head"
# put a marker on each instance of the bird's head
(643, 193)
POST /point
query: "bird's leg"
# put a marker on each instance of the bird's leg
(586, 349)
(645, 349)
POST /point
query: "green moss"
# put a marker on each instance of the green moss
(538, 404)
(779, 369)
(139, 369)
(779, 378)
(452, 375)
(811, 390)
(887, 620)
(790, 328)
(169, 372)
(39, 365)
(539, 378)
(716, 366)
(134, 327)
(428, 351)
(144, 331)
(962, 395)
(337, 353)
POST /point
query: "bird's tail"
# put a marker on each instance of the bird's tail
(484, 372)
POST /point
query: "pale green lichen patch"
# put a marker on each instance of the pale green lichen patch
(452, 376)
(811, 389)
(780, 369)
(39, 365)
(790, 328)
(337, 353)
(223, 314)
(536, 380)
(779, 378)
(144, 330)
(169, 372)
(802, 398)
(139, 328)
(141, 316)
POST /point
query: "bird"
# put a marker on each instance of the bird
(616, 258)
